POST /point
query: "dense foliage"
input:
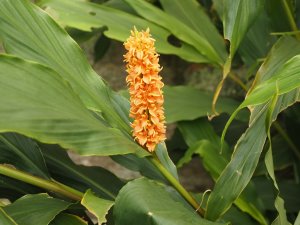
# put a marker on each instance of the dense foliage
(51, 100)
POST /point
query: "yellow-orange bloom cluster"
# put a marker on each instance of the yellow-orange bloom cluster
(145, 88)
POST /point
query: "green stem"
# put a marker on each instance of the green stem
(42, 183)
(290, 18)
(175, 183)
(288, 140)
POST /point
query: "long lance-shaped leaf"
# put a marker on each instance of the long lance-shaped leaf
(281, 219)
(40, 104)
(238, 16)
(240, 169)
(178, 28)
(190, 12)
(202, 140)
(30, 33)
(85, 16)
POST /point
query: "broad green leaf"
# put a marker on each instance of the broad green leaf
(187, 103)
(238, 18)
(249, 147)
(257, 41)
(62, 119)
(274, 8)
(30, 33)
(5, 219)
(68, 219)
(203, 141)
(190, 12)
(23, 153)
(85, 16)
(98, 206)
(178, 28)
(146, 202)
(102, 182)
(38, 209)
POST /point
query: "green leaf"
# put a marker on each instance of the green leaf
(257, 41)
(155, 206)
(285, 80)
(62, 119)
(50, 45)
(68, 219)
(178, 28)
(188, 103)
(238, 18)
(289, 190)
(85, 16)
(203, 141)
(98, 206)
(38, 209)
(23, 153)
(249, 147)
(5, 219)
(281, 218)
(297, 222)
(190, 12)
(101, 181)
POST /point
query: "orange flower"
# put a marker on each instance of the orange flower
(145, 88)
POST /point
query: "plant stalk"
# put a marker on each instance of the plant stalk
(175, 183)
(40, 182)
(290, 18)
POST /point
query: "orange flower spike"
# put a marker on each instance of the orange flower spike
(145, 88)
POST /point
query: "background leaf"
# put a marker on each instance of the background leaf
(179, 29)
(67, 219)
(190, 12)
(86, 16)
(63, 169)
(156, 206)
(23, 153)
(238, 17)
(35, 209)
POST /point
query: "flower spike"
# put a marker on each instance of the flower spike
(145, 88)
